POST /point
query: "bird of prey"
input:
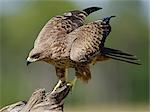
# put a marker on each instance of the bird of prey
(66, 43)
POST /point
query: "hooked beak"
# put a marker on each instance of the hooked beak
(28, 62)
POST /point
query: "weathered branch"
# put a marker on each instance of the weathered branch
(40, 101)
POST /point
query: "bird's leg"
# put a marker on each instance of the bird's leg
(61, 74)
(72, 83)
(66, 74)
(83, 73)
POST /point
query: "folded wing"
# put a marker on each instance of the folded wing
(89, 40)
(61, 25)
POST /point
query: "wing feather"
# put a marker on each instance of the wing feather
(60, 26)
(56, 26)
(88, 40)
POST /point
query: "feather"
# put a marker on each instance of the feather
(89, 39)
(119, 55)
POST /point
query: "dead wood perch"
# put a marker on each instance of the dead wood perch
(40, 101)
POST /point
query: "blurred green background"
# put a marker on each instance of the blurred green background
(114, 85)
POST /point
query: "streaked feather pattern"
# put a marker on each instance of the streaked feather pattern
(66, 43)
(89, 40)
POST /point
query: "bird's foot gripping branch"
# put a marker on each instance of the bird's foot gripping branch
(40, 101)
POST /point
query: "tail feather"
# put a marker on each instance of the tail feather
(128, 61)
(120, 56)
(114, 51)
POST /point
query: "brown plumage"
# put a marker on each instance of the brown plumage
(51, 43)
(66, 43)
(87, 47)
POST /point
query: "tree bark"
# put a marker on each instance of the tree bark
(40, 101)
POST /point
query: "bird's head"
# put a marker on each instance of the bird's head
(35, 55)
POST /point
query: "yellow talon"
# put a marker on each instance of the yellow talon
(72, 83)
(57, 86)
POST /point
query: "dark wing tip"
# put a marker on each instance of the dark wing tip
(107, 19)
(112, 16)
(89, 10)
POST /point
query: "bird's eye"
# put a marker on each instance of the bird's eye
(35, 56)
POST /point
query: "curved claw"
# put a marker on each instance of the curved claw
(72, 83)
